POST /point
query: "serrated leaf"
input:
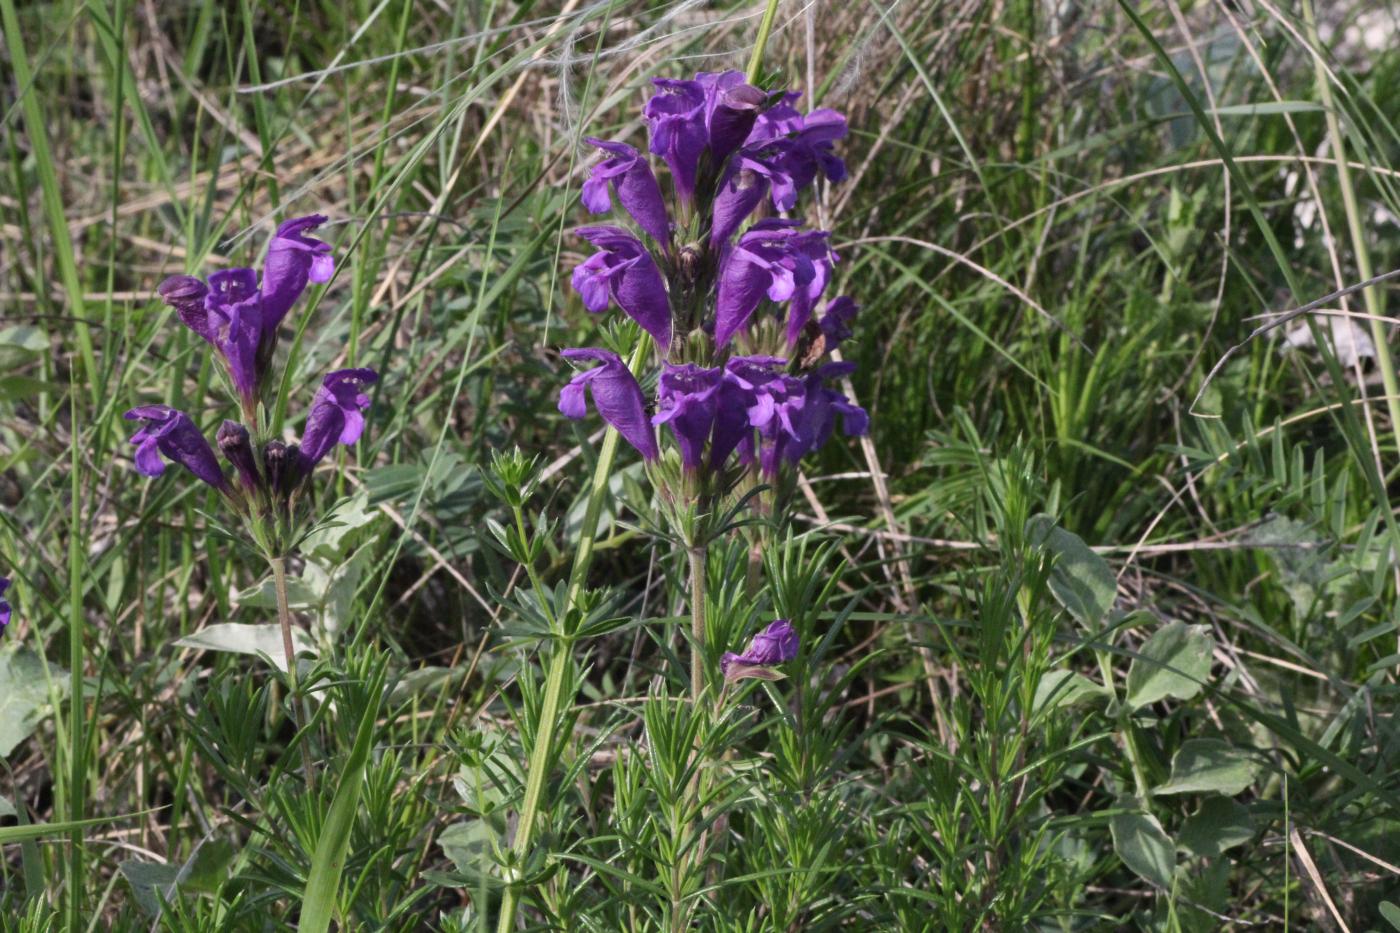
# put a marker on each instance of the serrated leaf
(1142, 844)
(249, 639)
(1208, 766)
(24, 693)
(1174, 662)
(1065, 688)
(1219, 824)
(1081, 580)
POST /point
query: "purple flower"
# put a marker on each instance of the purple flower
(336, 415)
(676, 117)
(749, 393)
(624, 270)
(835, 320)
(745, 184)
(165, 430)
(237, 449)
(293, 259)
(234, 318)
(713, 113)
(778, 420)
(821, 405)
(732, 107)
(616, 395)
(630, 175)
(186, 294)
(772, 258)
(687, 400)
(4, 605)
(796, 148)
(776, 644)
(804, 298)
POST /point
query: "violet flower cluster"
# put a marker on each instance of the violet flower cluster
(732, 294)
(4, 605)
(238, 314)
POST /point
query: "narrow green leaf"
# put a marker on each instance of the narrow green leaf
(328, 863)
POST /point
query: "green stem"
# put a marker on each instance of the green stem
(1125, 725)
(764, 28)
(540, 757)
(77, 742)
(284, 619)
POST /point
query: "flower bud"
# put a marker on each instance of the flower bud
(237, 449)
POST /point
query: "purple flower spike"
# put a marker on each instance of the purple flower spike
(235, 318)
(4, 605)
(170, 432)
(772, 258)
(630, 175)
(624, 270)
(616, 395)
(776, 644)
(835, 320)
(336, 416)
(186, 294)
(293, 259)
(687, 400)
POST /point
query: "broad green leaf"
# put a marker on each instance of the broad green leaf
(152, 883)
(1219, 824)
(1080, 579)
(24, 693)
(1208, 766)
(1174, 662)
(1065, 688)
(1391, 913)
(249, 639)
(25, 337)
(1142, 844)
(328, 863)
(327, 539)
(471, 847)
(7, 808)
(301, 594)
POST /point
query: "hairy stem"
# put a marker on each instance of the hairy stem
(697, 623)
(284, 619)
